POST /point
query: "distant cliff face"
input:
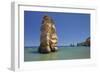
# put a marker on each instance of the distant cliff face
(85, 43)
(48, 38)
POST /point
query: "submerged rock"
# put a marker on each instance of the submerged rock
(48, 38)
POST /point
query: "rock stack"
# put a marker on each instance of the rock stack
(48, 38)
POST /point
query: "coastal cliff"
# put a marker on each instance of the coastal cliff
(85, 43)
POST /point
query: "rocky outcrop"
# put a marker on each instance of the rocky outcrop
(85, 43)
(48, 38)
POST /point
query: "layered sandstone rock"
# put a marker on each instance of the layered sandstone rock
(48, 38)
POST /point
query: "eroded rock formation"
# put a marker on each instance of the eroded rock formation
(48, 38)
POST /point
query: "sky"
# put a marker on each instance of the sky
(72, 28)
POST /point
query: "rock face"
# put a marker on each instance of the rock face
(48, 38)
(85, 43)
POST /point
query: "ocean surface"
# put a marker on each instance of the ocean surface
(63, 53)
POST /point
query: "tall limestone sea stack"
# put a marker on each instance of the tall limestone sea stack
(48, 38)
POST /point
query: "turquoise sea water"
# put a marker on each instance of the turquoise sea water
(64, 53)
